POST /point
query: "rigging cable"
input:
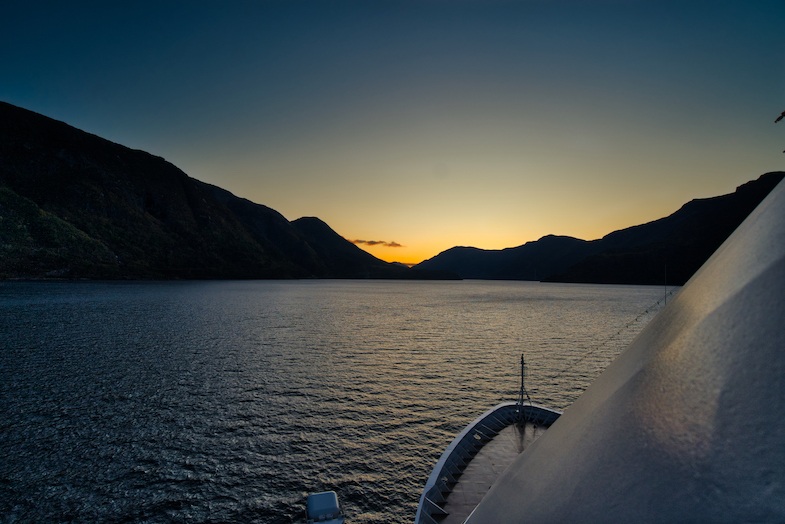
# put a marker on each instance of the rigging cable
(571, 365)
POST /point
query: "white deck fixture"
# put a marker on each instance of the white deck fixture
(323, 508)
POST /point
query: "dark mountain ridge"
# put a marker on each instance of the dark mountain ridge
(530, 261)
(343, 259)
(74, 205)
(671, 248)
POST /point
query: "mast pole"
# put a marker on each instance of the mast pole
(523, 395)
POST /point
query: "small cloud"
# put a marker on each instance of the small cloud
(376, 243)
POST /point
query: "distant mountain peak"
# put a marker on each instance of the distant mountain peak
(75, 205)
(673, 247)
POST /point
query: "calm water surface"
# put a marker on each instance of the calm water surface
(230, 401)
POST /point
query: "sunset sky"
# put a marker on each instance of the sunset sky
(424, 124)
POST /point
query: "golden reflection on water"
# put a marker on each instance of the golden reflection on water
(230, 400)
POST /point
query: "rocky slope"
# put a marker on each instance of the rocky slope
(74, 205)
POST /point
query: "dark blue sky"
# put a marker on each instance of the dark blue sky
(430, 123)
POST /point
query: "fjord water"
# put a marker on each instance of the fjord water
(230, 401)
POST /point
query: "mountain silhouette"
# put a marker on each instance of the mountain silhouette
(671, 248)
(343, 259)
(74, 205)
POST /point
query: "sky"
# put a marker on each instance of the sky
(419, 125)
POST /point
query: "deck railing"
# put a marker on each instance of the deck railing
(465, 446)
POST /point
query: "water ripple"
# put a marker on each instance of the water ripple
(230, 401)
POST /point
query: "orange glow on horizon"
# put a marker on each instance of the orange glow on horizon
(411, 256)
(399, 254)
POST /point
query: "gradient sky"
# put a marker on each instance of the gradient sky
(427, 123)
